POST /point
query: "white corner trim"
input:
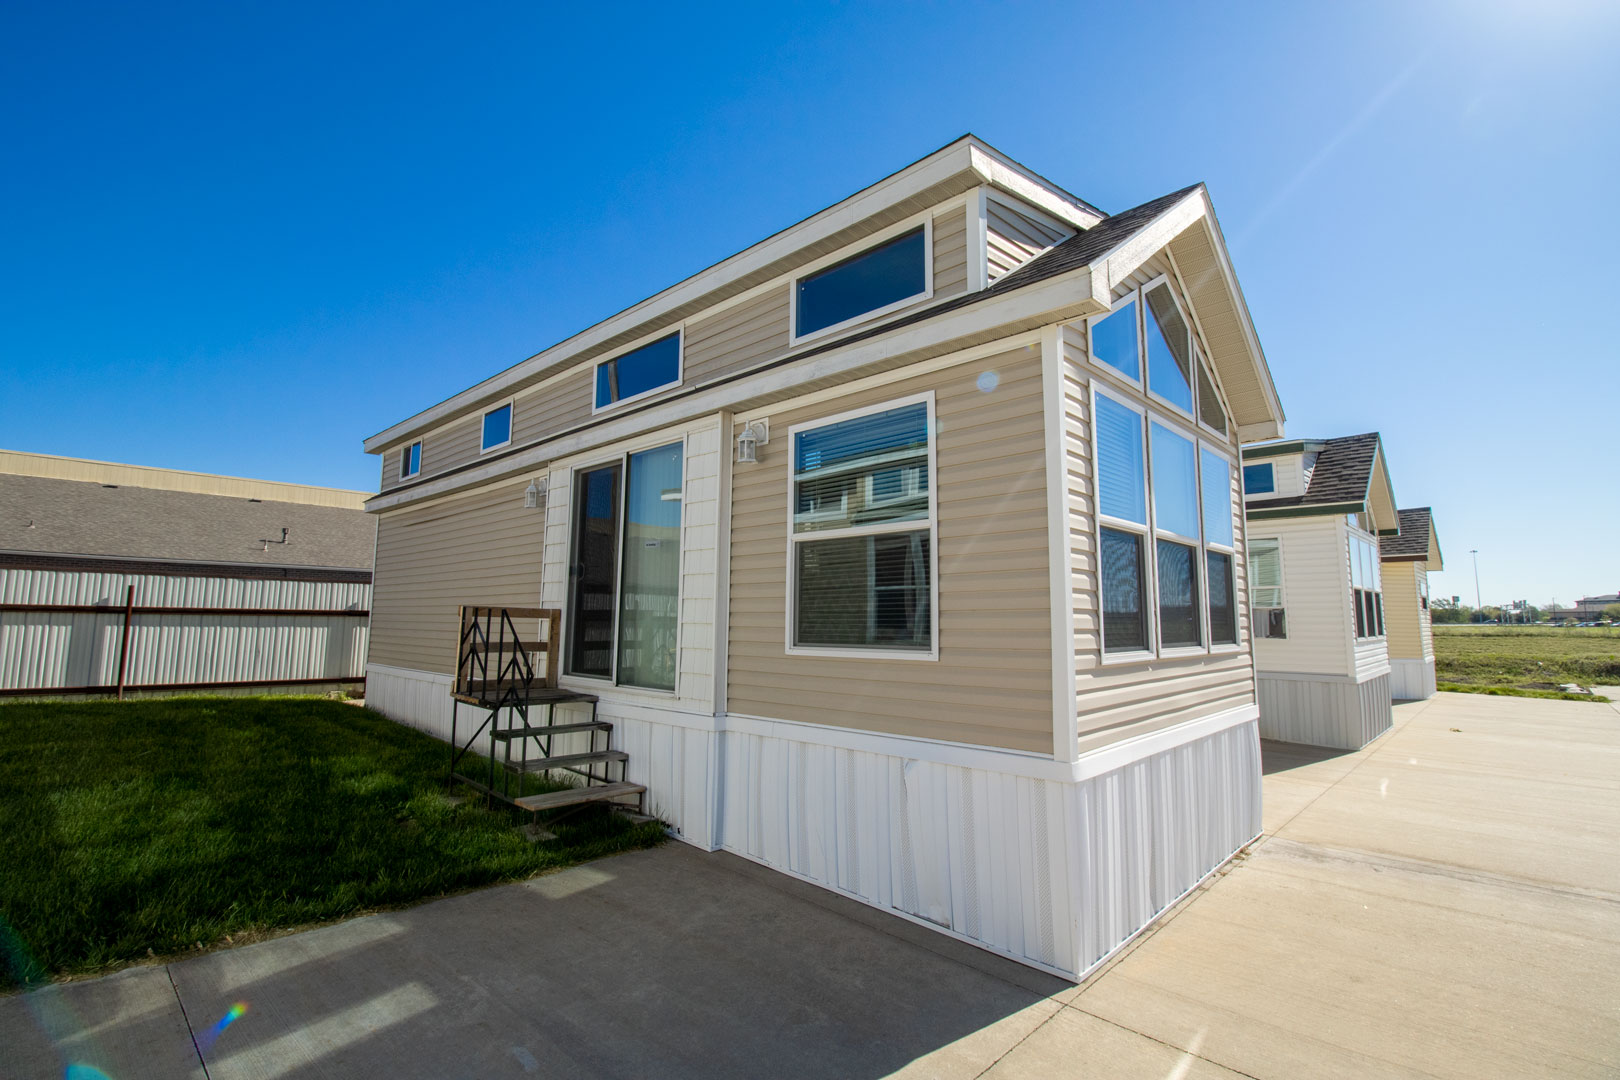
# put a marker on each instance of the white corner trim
(1065, 704)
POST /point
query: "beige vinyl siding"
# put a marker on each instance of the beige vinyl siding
(950, 253)
(1114, 702)
(561, 405)
(742, 336)
(739, 337)
(1425, 619)
(1012, 239)
(992, 682)
(1316, 592)
(1404, 617)
(483, 548)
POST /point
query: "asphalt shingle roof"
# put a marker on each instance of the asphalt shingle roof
(1413, 541)
(75, 517)
(1342, 474)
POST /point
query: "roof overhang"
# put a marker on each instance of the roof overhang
(1191, 234)
(1299, 510)
(964, 164)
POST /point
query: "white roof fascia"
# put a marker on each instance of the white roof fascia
(1123, 260)
(1062, 291)
(1015, 180)
(964, 155)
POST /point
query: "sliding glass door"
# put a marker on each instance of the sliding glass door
(627, 562)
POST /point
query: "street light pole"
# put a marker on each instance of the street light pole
(1478, 606)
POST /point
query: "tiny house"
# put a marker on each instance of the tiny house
(1316, 509)
(902, 552)
(1406, 561)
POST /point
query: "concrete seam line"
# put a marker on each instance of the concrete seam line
(1161, 1042)
(1020, 1042)
(168, 971)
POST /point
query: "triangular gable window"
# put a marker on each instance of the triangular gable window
(1209, 401)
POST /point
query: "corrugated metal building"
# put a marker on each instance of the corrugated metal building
(125, 577)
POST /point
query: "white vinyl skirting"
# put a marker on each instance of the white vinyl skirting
(1412, 680)
(1056, 873)
(1330, 711)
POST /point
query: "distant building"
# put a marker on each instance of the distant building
(126, 577)
(1591, 607)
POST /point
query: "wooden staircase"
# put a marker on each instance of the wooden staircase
(496, 675)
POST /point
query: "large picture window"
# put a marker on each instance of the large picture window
(1166, 540)
(861, 532)
(625, 575)
(873, 280)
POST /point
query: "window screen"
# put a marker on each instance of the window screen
(1222, 603)
(1124, 597)
(875, 278)
(1265, 574)
(1178, 595)
(647, 368)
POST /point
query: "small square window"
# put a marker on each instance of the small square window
(1259, 479)
(497, 427)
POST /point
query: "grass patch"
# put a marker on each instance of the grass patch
(1531, 658)
(1514, 691)
(156, 827)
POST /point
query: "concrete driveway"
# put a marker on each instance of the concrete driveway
(1443, 903)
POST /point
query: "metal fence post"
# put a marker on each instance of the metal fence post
(123, 646)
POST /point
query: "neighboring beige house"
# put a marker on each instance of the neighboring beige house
(902, 550)
(1407, 559)
(126, 578)
(1316, 509)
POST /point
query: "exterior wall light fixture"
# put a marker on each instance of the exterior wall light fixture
(755, 433)
(531, 496)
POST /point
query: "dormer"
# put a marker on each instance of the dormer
(1316, 477)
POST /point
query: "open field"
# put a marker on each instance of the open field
(157, 827)
(1528, 658)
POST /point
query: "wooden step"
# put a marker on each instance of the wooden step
(566, 761)
(490, 695)
(574, 796)
(552, 729)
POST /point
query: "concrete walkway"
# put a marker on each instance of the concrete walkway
(1443, 903)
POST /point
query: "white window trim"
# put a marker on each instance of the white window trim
(511, 426)
(1107, 368)
(679, 333)
(1147, 383)
(877, 240)
(931, 522)
(1150, 577)
(621, 457)
(405, 456)
(1201, 359)
(1223, 452)
(1176, 427)
(1270, 463)
(1282, 583)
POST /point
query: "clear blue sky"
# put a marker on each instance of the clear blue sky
(239, 238)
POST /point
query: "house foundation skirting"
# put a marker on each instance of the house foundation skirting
(1052, 865)
(1412, 680)
(1324, 710)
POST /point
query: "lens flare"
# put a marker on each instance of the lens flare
(81, 1071)
(207, 1039)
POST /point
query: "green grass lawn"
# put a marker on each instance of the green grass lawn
(1527, 658)
(146, 828)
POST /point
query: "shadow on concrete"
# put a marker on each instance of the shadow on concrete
(667, 963)
(1276, 757)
